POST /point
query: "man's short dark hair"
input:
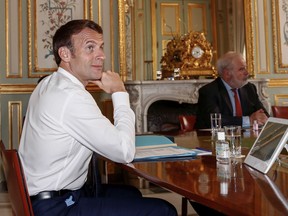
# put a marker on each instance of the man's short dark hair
(64, 34)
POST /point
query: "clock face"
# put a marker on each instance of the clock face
(197, 52)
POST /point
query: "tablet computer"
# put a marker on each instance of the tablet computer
(268, 144)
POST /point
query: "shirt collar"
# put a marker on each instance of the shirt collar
(228, 88)
(70, 76)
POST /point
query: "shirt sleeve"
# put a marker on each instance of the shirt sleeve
(84, 121)
(245, 122)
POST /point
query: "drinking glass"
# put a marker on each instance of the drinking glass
(215, 122)
(233, 135)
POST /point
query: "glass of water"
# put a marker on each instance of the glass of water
(233, 136)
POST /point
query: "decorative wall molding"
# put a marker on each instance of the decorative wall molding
(281, 99)
(15, 122)
(28, 88)
(278, 83)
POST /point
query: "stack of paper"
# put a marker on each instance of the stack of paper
(154, 147)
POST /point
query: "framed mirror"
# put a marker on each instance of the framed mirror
(134, 35)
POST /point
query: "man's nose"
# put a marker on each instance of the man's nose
(101, 55)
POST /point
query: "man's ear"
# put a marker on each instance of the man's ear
(64, 53)
(226, 74)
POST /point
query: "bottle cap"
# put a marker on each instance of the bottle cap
(221, 135)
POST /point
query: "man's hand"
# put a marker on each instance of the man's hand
(260, 116)
(110, 82)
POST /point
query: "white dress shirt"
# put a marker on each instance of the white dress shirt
(63, 126)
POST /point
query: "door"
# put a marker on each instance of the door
(178, 17)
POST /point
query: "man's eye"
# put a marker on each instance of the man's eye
(91, 48)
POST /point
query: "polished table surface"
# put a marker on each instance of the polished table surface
(234, 189)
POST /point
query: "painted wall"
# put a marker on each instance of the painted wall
(270, 50)
(19, 74)
(25, 57)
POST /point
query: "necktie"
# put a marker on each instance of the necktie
(237, 103)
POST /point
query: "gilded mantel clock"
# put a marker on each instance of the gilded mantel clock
(190, 55)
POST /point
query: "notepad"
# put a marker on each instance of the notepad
(155, 147)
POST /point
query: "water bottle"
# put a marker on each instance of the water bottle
(222, 148)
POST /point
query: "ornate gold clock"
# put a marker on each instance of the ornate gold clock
(190, 54)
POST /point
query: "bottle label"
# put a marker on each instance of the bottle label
(222, 151)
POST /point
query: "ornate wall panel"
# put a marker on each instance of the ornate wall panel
(15, 122)
(281, 99)
(26, 26)
(261, 29)
(197, 18)
(13, 36)
(44, 18)
(280, 35)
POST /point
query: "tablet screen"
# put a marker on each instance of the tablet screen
(270, 137)
(268, 144)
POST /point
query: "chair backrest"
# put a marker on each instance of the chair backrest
(187, 122)
(280, 111)
(16, 183)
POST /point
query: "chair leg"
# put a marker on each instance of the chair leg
(184, 206)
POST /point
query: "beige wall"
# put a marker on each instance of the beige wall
(270, 52)
(17, 59)
(19, 66)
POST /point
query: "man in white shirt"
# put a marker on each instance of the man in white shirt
(64, 126)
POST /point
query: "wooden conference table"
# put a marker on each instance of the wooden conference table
(234, 189)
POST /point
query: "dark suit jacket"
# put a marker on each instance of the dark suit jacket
(214, 98)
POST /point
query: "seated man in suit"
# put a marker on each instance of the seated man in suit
(218, 96)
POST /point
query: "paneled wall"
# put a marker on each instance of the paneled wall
(271, 49)
(24, 59)
(26, 53)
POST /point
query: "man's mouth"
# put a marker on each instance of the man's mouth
(97, 66)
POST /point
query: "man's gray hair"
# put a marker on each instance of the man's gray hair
(226, 61)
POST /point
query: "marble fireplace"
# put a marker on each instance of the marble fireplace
(143, 94)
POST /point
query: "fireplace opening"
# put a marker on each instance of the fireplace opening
(163, 115)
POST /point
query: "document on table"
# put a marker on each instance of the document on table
(155, 147)
(163, 152)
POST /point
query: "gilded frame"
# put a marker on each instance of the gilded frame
(44, 29)
(122, 40)
(249, 34)
(281, 99)
(250, 43)
(280, 35)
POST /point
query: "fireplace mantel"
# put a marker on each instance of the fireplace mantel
(144, 93)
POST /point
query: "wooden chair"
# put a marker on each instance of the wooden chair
(280, 111)
(187, 122)
(16, 183)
